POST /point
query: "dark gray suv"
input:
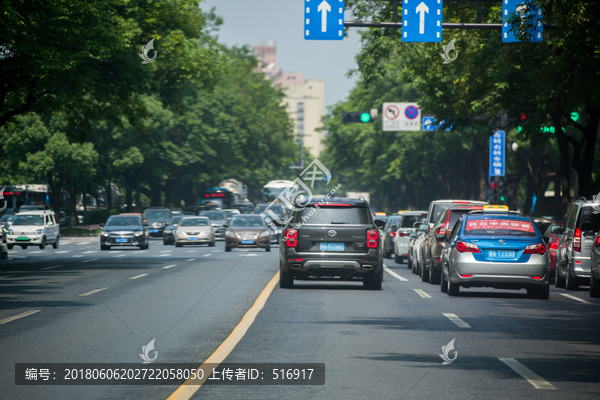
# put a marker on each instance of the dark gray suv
(332, 237)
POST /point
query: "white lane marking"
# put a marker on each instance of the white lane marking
(56, 266)
(35, 252)
(90, 252)
(5, 276)
(395, 275)
(164, 255)
(23, 314)
(121, 255)
(459, 322)
(90, 260)
(170, 266)
(206, 255)
(62, 251)
(576, 298)
(191, 251)
(191, 259)
(138, 276)
(84, 243)
(218, 251)
(166, 251)
(92, 292)
(77, 255)
(248, 254)
(422, 293)
(537, 381)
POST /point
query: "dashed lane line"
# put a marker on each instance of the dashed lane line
(536, 381)
(138, 276)
(459, 322)
(23, 314)
(395, 275)
(576, 298)
(92, 292)
(169, 266)
(55, 266)
(422, 293)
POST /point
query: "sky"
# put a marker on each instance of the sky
(248, 22)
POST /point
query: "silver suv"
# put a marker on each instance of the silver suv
(573, 262)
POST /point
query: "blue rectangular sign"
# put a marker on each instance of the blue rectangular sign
(323, 19)
(510, 7)
(430, 124)
(497, 154)
(422, 20)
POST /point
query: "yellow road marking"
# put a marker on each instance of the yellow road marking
(187, 390)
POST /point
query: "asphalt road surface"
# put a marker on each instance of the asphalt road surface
(78, 304)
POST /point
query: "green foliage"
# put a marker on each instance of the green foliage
(98, 216)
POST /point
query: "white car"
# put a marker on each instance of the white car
(405, 228)
(33, 228)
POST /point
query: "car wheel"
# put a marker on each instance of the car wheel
(409, 263)
(43, 245)
(453, 289)
(559, 281)
(211, 244)
(434, 274)
(372, 281)
(24, 247)
(56, 242)
(397, 259)
(444, 283)
(594, 287)
(571, 282)
(9, 246)
(424, 274)
(227, 248)
(165, 243)
(268, 248)
(103, 247)
(286, 280)
(178, 244)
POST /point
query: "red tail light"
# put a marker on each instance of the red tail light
(597, 242)
(372, 239)
(553, 247)
(441, 230)
(403, 234)
(577, 240)
(535, 249)
(291, 237)
(392, 234)
(465, 276)
(465, 247)
(537, 278)
(295, 259)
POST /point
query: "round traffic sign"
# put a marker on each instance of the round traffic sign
(411, 112)
(392, 112)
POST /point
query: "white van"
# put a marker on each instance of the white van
(33, 228)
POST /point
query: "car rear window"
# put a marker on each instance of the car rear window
(590, 221)
(332, 215)
(499, 226)
(409, 220)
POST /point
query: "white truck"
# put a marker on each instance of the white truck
(358, 195)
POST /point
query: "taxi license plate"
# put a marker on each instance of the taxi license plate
(153, 230)
(23, 238)
(121, 240)
(502, 254)
(192, 238)
(331, 246)
(247, 241)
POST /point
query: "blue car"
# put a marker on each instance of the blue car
(499, 249)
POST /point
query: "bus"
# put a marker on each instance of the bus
(216, 197)
(273, 189)
(15, 196)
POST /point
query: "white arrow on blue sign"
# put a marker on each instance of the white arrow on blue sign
(497, 154)
(323, 19)
(422, 20)
(510, 7)
(430, 124)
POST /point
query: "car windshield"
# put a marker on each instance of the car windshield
(499, 227)
(175, 220)
(6, 218)
(247, 221)
(194, 222)
(333, 215)
(214, 215)
(28, 220)
(408, 221)
(590, 220)
(276, 208)
(157, 214)
(392, 221)
(123, 221)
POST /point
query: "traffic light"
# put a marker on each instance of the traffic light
(502, 190)
(493, 192)
(351, 117)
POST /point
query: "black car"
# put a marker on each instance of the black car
(389, 230)
(157, 218)
(329, 238)
(124, 230)
(168, 237)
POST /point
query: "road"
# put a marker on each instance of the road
(375, 344)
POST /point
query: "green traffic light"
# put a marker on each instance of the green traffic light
(575, 116)
(502, 198)
(365, 117)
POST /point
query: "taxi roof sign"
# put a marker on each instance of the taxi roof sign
(490, 208)
(380, 214)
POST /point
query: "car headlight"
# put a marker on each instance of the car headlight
(214, 225)
(204, 233)
(138, 233)
(179, 233)
(230, 234)
(105, 234)
(39, 232)
(168, 230)
(10, 232)
(265, 233)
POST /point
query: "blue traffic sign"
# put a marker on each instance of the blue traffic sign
(430, 124)
(422, 20)
(510, 7)
(323, 19)
(497, 154)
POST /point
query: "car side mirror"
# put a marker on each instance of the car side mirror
(379, 223)
(146, 224)
(424, 227)
(416, 225)
(557, 229)
(101, 225)
(394, 227)
(440, 237)
(413, 235)
(225, 225)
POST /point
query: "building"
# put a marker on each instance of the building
(305, 99)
